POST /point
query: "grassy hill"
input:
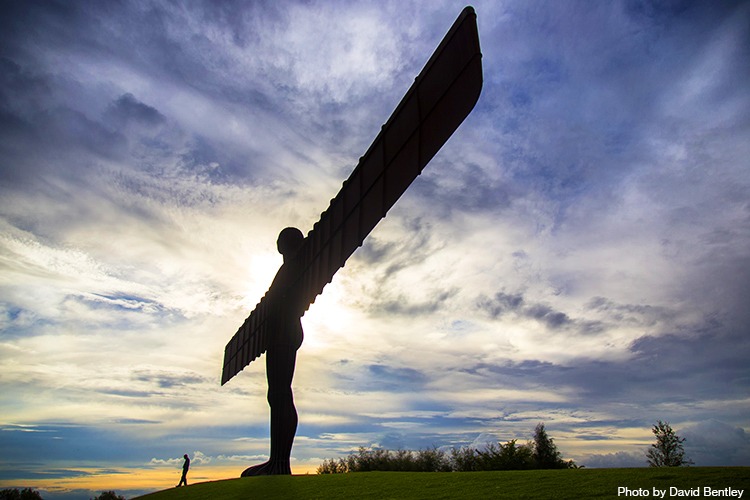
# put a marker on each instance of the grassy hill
(558, 484)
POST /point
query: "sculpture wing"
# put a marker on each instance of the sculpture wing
(441, 97)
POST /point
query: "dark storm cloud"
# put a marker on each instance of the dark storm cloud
(661, 372)
(20, 89)
(51, 110)
(714, 442)
(463, 188)
(373, 250)
(641, 314)
(699, 367)
(127, 108)
(403, 306)
(514, 303)
(127, 393)
(501, 303)
(393, 256)
(168, 380)
(58, 440)
(39, 133)
(121, 302)
(547, 315)
(569, 146)
(50, 136)
(107, 30)
(396, 379)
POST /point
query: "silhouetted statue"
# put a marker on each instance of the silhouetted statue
(185, 467)
(443, 94)
(281, 355)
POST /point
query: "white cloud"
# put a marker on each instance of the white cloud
(611, 206)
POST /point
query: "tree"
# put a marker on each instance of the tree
(332, 466)
(515, 457)
(508, 456)
(464, 459)
(109, 495)
(668, 450)
(24, 494)
(431, 460)
(546, 455)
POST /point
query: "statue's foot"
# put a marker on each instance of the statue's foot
(255, 470)
(270, 468)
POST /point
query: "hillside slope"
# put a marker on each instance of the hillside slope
(558, 484)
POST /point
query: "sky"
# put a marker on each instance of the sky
(577, 254)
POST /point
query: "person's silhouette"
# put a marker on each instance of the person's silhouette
(283, 342)
(185, 467)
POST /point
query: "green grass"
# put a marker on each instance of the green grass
(557, 484)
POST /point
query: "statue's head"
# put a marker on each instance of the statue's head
(290, 240)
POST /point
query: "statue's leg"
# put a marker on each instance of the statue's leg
(283, 412)
(280, 362)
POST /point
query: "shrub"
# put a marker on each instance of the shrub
(464, 459)
(365, 460)
(109, 495)
(508, 456)
(540, 454)
(432, 460)
(24, 494)
(333, 467)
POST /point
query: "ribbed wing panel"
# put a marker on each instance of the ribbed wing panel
(441, 97)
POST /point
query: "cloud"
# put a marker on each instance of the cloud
(168, 380)
(707, 443)
(614, 460)
(196, 458)
(501, 303)
(483, 440)
(714, 442)
(171, 462)
(128, 109)
(576, 253)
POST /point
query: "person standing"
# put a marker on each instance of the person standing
(185, 467)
